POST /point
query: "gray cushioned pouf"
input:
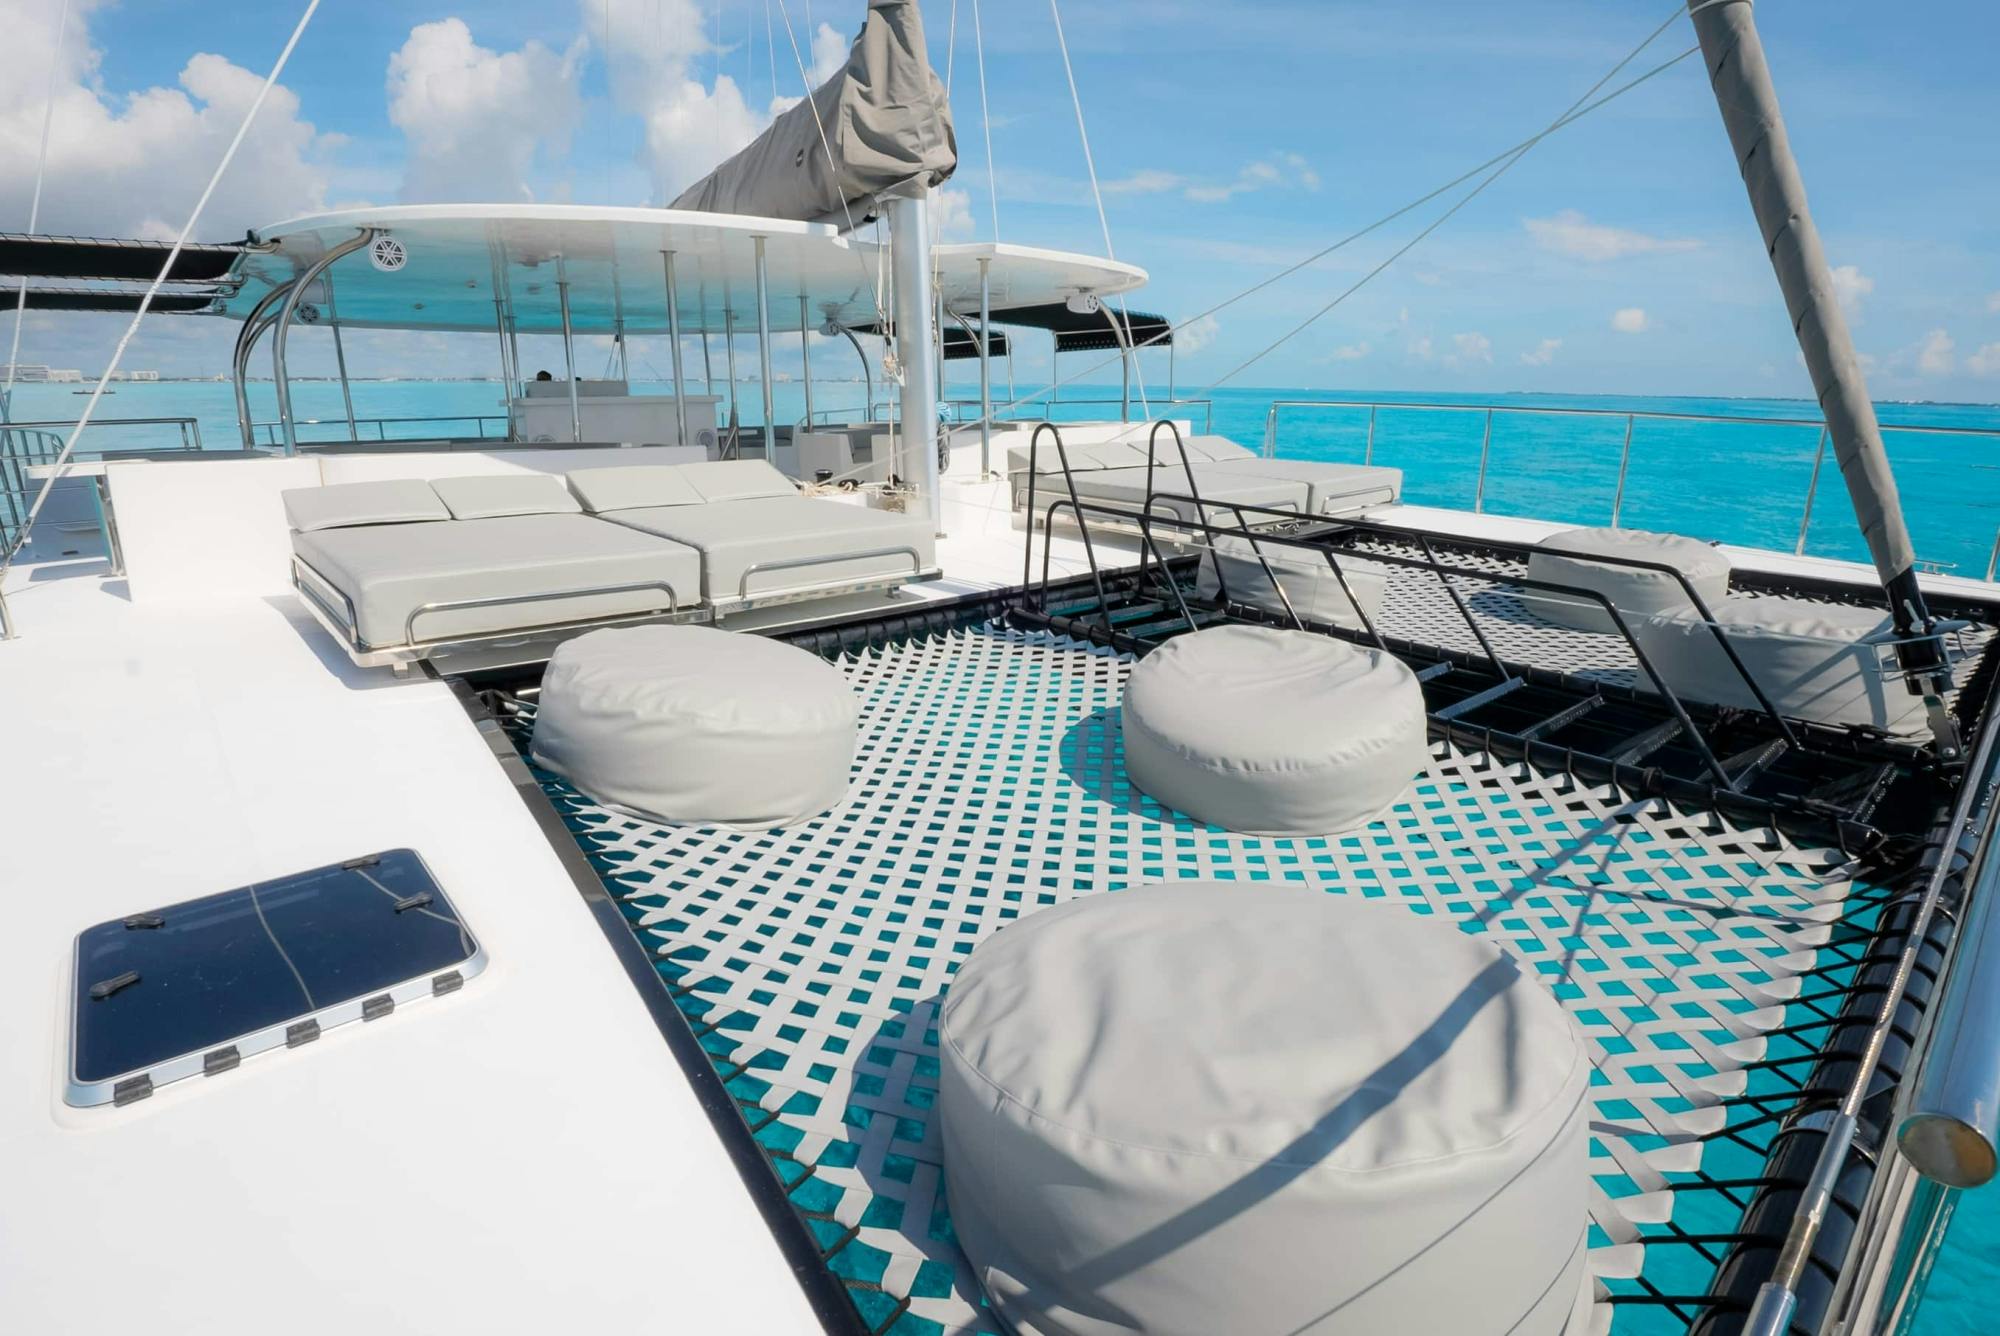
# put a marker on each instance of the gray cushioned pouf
(1565, 559)
(1826, 663)
(1309, 583)
(1273, 732)
(694, 726)
(1211, 1108)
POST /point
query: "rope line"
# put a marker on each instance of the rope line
(985, 119)
(62, 461)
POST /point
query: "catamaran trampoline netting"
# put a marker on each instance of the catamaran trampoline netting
(1711, 964)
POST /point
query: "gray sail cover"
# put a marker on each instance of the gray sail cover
(886, 123)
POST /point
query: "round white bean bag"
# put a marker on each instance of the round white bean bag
(1308, 581)
(695, 726)
(1210, 1108)
(1825, 663)
(1273, 732)
(1565, 559)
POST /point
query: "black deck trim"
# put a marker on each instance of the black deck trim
(823, 1290)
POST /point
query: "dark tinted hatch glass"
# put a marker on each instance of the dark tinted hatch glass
(201, 974)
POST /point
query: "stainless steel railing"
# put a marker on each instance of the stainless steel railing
(1039, 408)
(1631, 419)
(25, 445)
(270, 432)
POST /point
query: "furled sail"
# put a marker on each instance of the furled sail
(886, 123)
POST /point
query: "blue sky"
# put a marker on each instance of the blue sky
(1617, 257)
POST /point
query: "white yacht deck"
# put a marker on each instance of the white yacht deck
(466, 1161)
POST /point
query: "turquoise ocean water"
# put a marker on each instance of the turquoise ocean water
(1732, 482)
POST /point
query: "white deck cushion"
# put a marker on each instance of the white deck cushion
(388, 571)
(633, 487)
(1208, 1108)
(1332, 489)
(1273, 732)
(696, 726)
(401, 501)
(1124, 489)
(734, 536)
(1308, 581)
(1811, 659)
(1565, 558)
(489, 497)
(737, 480)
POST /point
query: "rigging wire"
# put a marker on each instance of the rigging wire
(1569, 118)
(62, 460)
(985, 120)
(1122, 326)
(35, 209)
(1498, 171)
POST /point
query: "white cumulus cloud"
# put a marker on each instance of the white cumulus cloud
(1349, 352)
(1571, 233)
(1984, 362)
(1278, 171)
(1472, 347)
(1197, 334)
(1542, 354)
(475, 119)
(133, 162)
(1934, 353)
(951, 215)
(655, 51)
(1850, 285)
(1630, 320)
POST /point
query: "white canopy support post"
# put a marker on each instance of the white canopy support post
(1744, 93)
(340, 357)
(624, 358)
(910, 265)
(985, 366)
(1055, 369)
(674, 337)
(286, 423)
(253, 328)
(806, 356)
(506, 360)
(707, 366)
(764, 355)
(569, 351)
(729, 369)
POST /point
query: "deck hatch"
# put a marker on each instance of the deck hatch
(195, 987)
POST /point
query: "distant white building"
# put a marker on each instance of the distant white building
(136, 375)
(65, 375)
(24, 374)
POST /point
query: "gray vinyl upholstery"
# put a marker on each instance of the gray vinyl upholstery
(387, 571)
(1125, 489)
(1331, 489)
(490, 496)
(733, 536)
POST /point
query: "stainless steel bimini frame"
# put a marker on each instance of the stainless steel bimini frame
(343, 623)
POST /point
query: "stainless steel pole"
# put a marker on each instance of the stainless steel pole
(1624, 463)
(806, 356)
(764, 355)
(674, 336)
(910, 267)
(291, 306)
(985, 367)
(569, 352)
(729, 366)
(252, 329)
(340, 356)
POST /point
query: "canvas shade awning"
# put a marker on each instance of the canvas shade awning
(612, 260)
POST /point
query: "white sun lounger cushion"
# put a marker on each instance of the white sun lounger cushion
(825, 540)
(491, 496)
(695, 726)
(633, 487)
(389, 571)
(346, 504)
(1274, 732)
(1637, 592)
(1207, 1108)
(737, 480)
(1332, 489)
(1821, 662)
(1084, 456)
(1308, 581)
(1125, 489)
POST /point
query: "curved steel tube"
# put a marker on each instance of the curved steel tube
(298, 290)
(253, 329)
